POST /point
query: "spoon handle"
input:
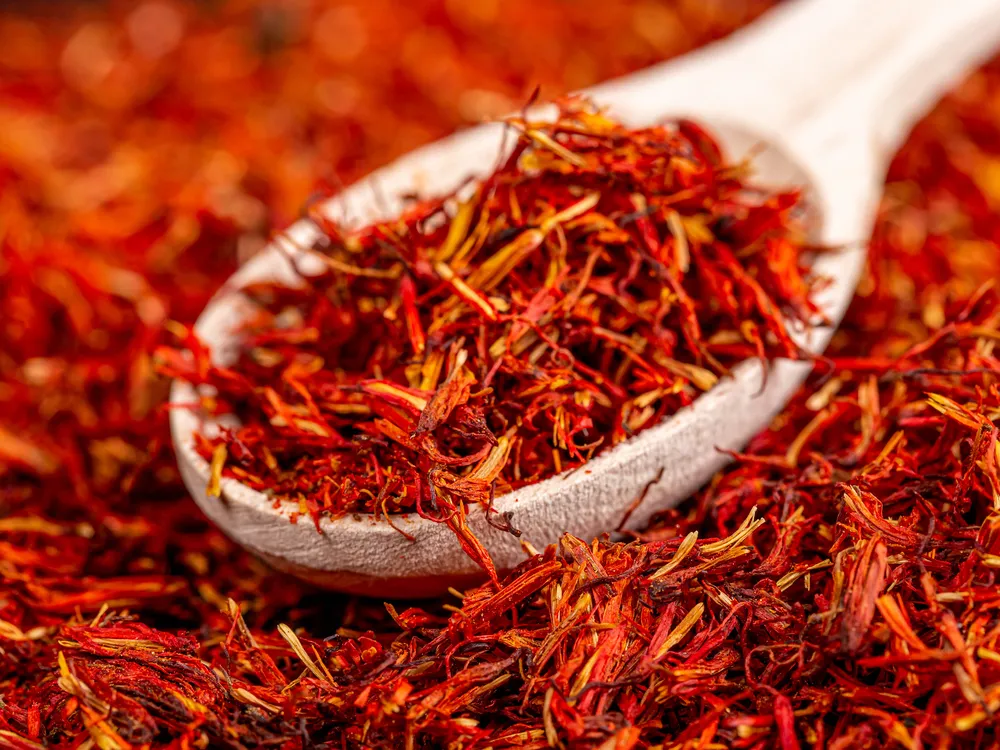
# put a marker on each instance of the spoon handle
(903, 56)
(938, 44)
(821, 59)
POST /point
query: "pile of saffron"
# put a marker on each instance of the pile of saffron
(834, 588)
(599, 280)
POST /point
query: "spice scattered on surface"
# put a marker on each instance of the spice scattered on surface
(847, 619)
(599, 280)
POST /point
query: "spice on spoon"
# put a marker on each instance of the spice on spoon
(599, 280)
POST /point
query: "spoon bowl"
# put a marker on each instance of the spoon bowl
(360, 554)
(833, 143)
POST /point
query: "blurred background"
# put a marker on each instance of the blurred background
(175, 118)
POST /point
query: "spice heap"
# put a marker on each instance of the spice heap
(599, 280)
(846, 600)
(833, 624)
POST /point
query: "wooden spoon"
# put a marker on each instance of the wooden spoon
(830, 87)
